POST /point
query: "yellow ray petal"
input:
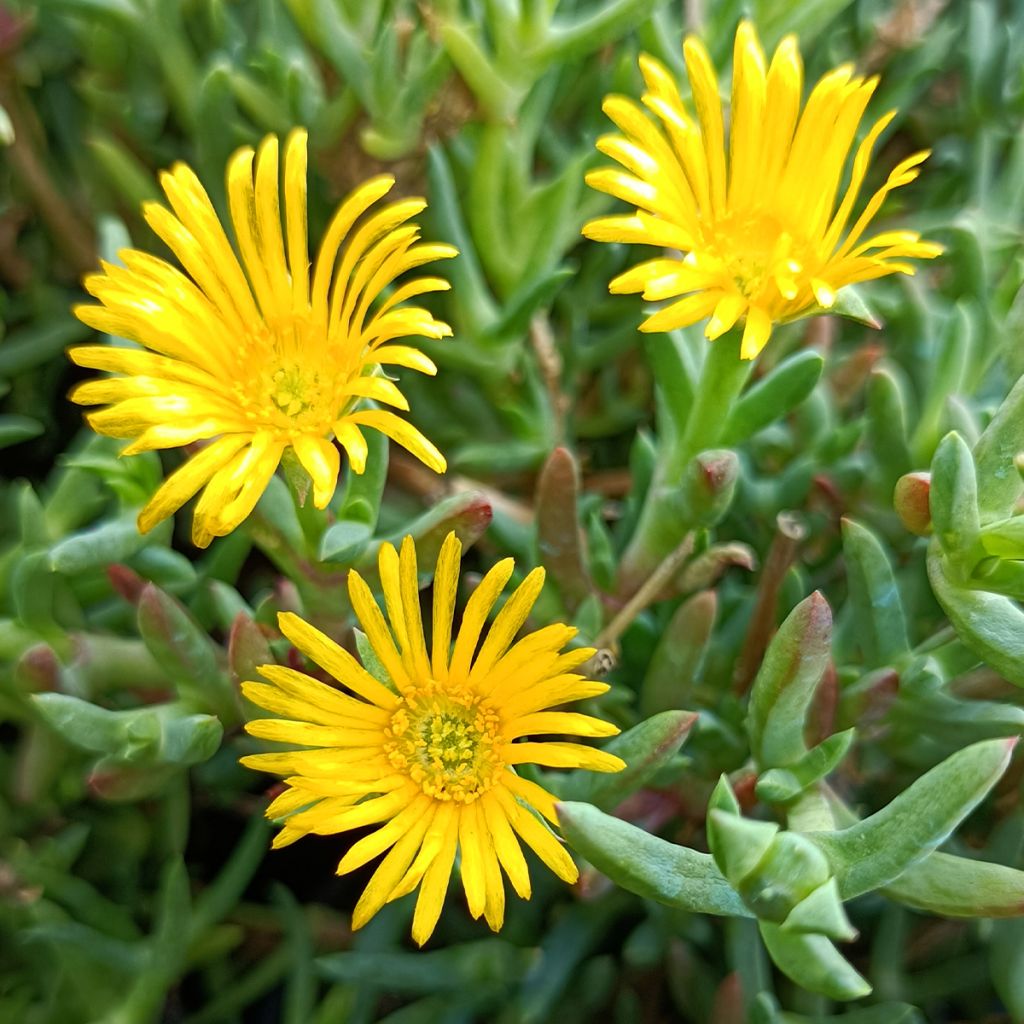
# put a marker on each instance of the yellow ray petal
(508, 622)
(473, 877)
(506, 846)
(402, 433)
(446, 584)
(477, 609)
(335, 660)
(187, 479)
(537, 837)
(435, 885)
(295, 215)
(365, 849)
(563, 755)
(321, 461)
(372, 621)
(388, 875)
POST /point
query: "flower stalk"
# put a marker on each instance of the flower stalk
(664, 520)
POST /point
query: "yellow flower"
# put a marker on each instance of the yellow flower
(259, 353)
(759, 229)
(433, 760)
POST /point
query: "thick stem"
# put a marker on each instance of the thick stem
(663, 522)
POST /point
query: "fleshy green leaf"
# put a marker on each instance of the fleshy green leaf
(645, 748)
(887, 429)
(166, 734)
(112, 541)
(813, 963)
(999, 484)
(954, 500)
(880, 848)
(960, 887)
(990, 624)
(647, 865)
(773, 396)
(877, 606)
(678, 658)
(793, 665)
(186, 653)
(850, 304)
(559, 535)
(781, 785)
(345, 541)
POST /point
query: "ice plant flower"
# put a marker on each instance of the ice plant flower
(250, 348)
(760, 235)
(432, 758)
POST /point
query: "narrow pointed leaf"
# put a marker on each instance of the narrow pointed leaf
(647, 865)
(850, 304)
(645, 748)
(877, 606)
(784, 687)
(999, 484)
(880, 848)
(813, 963)
(678, 658)
(773, 396)
(960, 887)
(887, 429)
(781, 785)
(954, 499)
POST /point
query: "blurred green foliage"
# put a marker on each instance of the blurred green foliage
(135, 882)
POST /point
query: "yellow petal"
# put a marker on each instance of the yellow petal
(295, 215)
(537, 837)
(370, 618)
(335, 660)
(756, 332)
(321, 461)
(185, 481)
(402, 433)
(388, 875)
(506, 846)
(473, 618)
(434, 886)
(563, 755)
(446, 585)
(473, 879)
(350, 437)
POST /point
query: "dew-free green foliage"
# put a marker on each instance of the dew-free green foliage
(818, 692)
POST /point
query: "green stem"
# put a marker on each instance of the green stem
(663, 523)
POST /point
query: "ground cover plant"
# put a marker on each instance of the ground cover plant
(510, 511)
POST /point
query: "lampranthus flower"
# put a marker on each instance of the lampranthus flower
(259, 353)
(432, 760)
(762, 238)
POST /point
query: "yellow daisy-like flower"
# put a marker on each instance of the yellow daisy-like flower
(258, 350)
(432, 761)
(762, 237)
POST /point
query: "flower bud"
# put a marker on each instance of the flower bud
(709, 485)
(910, 499)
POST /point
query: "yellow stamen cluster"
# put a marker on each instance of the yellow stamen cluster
(447, 741)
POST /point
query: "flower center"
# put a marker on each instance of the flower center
(287, 381)
(446, 741)
(758, 254)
